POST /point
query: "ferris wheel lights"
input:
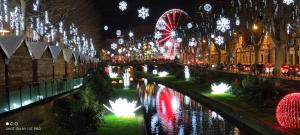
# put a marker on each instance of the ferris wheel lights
(169, 44)
(173, 33)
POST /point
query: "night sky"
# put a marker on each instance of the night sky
(112, 16)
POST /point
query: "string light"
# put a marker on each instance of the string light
(288, 111)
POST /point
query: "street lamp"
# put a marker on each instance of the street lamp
(255, 27)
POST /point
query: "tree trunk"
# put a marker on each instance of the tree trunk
(219, 57)
(228, 56)
(296, 55)
(23, 10)
(256, 51)
(279, 60)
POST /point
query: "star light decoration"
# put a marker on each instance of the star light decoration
(223, 24)
(143, 13)
(207, 7)
(219, 40)
(122, 108)
(288, 2)
(123, 5)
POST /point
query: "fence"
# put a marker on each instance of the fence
(18, 97)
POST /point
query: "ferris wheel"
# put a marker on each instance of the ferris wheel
(169, 31)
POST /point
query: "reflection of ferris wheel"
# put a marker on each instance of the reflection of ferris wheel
(168, 25)
(169, 31)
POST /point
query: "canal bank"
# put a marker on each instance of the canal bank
(242, 116)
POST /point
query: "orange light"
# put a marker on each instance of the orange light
(255, 27)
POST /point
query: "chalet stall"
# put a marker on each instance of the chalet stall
(19, 73)
(2, 70)
(81, 65)
(70, 63)
(42, 61)
(58, 62)
(87, 63)
(19, 59)
(77, 63)
(3, 99)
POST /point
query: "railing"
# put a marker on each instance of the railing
(21, 96)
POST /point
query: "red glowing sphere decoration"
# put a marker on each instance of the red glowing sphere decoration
(288, 111)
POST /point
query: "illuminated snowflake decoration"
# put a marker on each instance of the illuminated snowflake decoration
(118, 32)
(105, 27)
(219, 40)
(223, 24)
(113, 46)
(143, 13)
(207, 7)
(157, 35)
(189, 25)
(123, 5)
(161, 24)
(288, 2)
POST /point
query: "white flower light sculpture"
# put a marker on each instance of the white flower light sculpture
(163, 74)
(122, 108)
(219, 88)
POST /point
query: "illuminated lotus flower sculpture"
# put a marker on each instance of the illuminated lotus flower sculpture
(163, 74)
(219, 88)
(122, 108)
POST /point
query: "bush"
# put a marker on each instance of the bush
(67, 119)
(180, 74)
(259, 91)
(84, 121)
(101, 86)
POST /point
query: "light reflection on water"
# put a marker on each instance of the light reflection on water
(169, 112)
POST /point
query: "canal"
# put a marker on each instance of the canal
(168, 112)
